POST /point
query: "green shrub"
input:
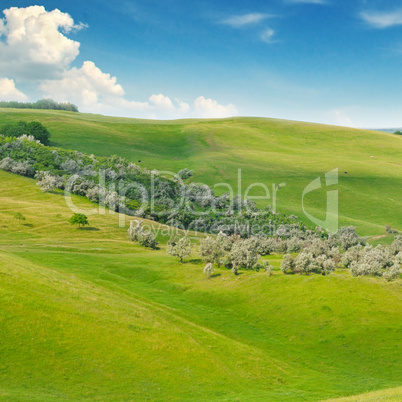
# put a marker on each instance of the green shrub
(79, 219)
(34, 128)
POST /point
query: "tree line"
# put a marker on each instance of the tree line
(49, 104)
(305, 250)
(304, 253)
(138, 192)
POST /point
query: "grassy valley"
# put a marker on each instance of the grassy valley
(89, 315)
(213, 245)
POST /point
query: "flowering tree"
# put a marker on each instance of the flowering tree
(137, 232)
(209, 270)
(180, 248)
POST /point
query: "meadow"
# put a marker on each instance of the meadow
(267, 151)
(87, 314)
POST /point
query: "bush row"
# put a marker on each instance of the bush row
(123, 186)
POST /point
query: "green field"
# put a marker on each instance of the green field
(268, 151)
(389, 395)
(86, 314)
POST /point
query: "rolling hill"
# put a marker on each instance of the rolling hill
(266, 150)
(88, 315)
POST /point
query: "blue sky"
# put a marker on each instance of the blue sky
(327, 61)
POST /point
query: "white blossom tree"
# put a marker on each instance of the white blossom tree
(209, 270)
(180, 248)
(137, 232)
(211, 250)
(47, 182)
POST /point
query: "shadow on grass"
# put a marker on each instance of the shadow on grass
(28, 225)
(90, 229)
(215, 275)
(56, 191)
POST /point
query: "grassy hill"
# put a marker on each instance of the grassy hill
(268, 151)
(86, 314)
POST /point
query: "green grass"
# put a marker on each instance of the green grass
(268, 151)
(384, 240)
(86, 314)
(390, 395)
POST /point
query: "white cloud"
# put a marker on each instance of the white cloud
(162, 102)
(33, 46)
(382, 19)
(90, 89)
(183, 106)
(210, 108)
(267, 35)
(239, 21)
(96, 92)
(87, 85)
(342, 119)
(8, 91)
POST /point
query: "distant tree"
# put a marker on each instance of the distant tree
(79, 219)
(179, 248)
(398, 132)
(40, 104)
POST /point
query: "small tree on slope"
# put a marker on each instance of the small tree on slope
(179, 248)
(79, 219)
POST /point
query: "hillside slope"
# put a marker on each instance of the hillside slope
(86, 314)
(266, 150)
